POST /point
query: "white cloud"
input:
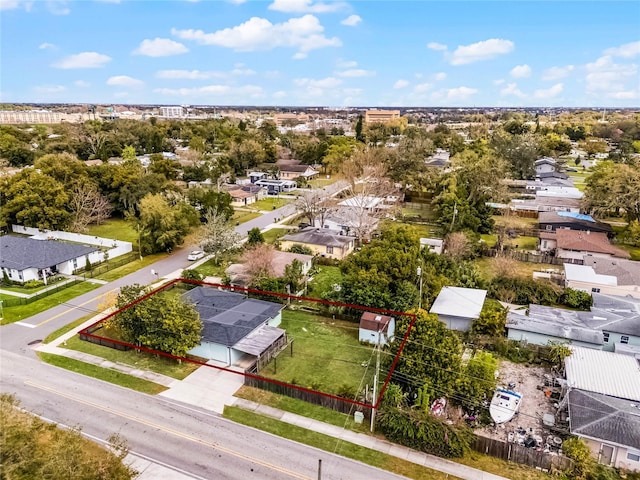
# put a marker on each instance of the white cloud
(351, 20)
(628, 50)
(81, 84)
(304, 33)
(160, 47)
(186, 74)
(555, 73)
(251, 91)
(11, 4)
(279, 94)
(124, 81)
(625, 95)
(109, 1)
(498, 82)
(356, 72)
(305, 6)
(479, 51)
(243, 71)
(401, 84)
(436, 46)
(237, 2)
(346, 63)
(512, 89)
(454, 94)
(83, 60)
(605, 76)
(58, 7)
(440, 76)
(521, 71)
(352, 91)
(120, 94)
(299, 56)
(50, 89)
(47, 46)
(551, 92)
(329, 82)
(422, 87)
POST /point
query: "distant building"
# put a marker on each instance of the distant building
(29, 117)
(575, 244)
(434, 245)
(321, 241)
(276, 186)
(172, 112)
(552, 221)
(613, 276)
(380, 116)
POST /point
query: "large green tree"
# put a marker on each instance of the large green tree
(163, 226)
(161, 322)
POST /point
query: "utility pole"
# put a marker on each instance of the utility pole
(375, 383)
(420, 279)
(319, 469)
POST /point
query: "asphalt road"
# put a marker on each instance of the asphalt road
(187, 439)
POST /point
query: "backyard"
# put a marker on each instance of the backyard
(327, 355)
(115, 228)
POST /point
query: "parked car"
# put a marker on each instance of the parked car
(195, 255)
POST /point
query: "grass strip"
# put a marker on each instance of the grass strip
(67, 328)
(105, 374)
(130, 267)
(140, 360)
(327, 443)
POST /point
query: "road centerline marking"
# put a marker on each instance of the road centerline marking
(167, 430)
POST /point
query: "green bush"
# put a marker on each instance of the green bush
(301, 249)
(523, 291)
(576, 299)
(33, 284)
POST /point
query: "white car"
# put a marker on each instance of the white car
(195, 255)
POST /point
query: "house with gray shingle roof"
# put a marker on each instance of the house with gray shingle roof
(322, 241)
(24, 259)
(233, 325)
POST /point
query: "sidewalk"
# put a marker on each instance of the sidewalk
(368, 441)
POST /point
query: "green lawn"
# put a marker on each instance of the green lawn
(633, 251)
(270, 203)
(579, 178)
(487, 267)
(324, 280)
(520, 243)
(20, 312)
(141, 360)
(323, 181)
(111, 376)
(334, 445)
(211, 269)
(242, 217)
(270, 236)
(115, 228)
(300, 407)
(327, 354)
(131, 267)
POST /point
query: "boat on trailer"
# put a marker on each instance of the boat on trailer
(504, 405)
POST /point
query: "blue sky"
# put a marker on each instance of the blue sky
(331, 53)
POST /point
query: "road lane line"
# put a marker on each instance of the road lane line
(74, 308)
(168, 430)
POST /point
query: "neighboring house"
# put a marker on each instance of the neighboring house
(323, 242)
(612, 322)
(574, 244)
(552, 221)
(276, 186)
(235, 326)
(559, 192)
(255, 176)
(546, 204)
(292, 171)
(23, 259)
(612, 276)
(545, 165)
(603, 398)
(376, 329)
(238, 274)
(458, 307)
(434, 245)
(347, 220)
(246, 194)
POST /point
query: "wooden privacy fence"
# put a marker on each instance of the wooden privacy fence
(342, 406)
(531, 257)
(520, 454)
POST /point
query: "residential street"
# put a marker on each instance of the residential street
(188, 439)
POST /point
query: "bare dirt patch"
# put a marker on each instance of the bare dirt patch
(535, 403)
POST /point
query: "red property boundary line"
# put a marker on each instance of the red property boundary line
(86, 332)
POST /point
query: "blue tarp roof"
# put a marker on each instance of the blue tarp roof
(577, 216)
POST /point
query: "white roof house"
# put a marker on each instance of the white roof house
(583, 273)
(603, 372)
(457, 307)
